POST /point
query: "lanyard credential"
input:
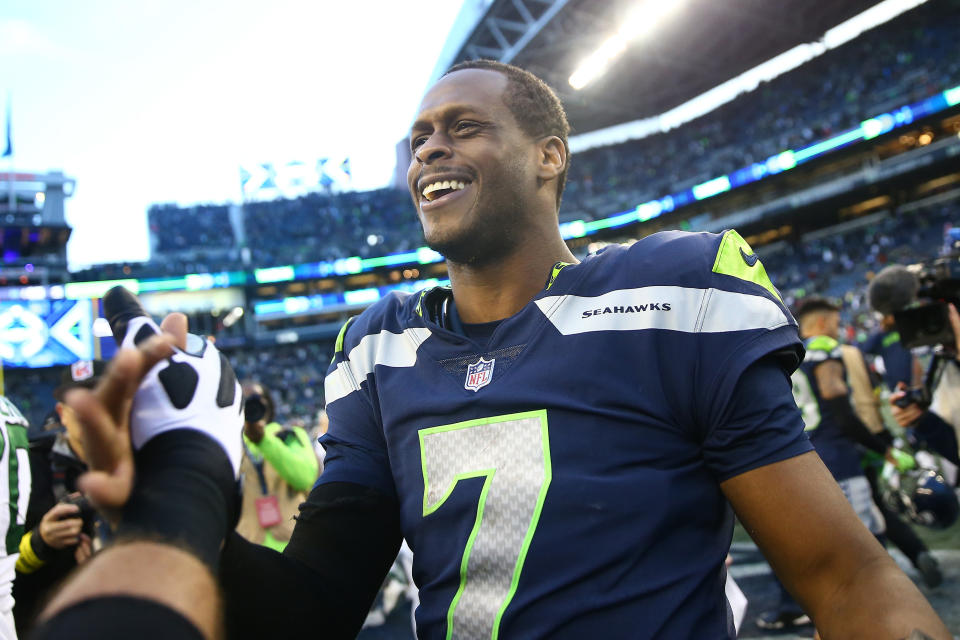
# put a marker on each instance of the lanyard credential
(258, 465)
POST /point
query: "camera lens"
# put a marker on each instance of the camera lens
(254, 409)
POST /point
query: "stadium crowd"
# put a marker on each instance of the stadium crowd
(865, 77)
(896, 64)
(177, 228)
(854, 586)
(900, 63)
(294, 373)
(356, 223)
(838, 265)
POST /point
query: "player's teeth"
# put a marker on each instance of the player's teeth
(431, 189)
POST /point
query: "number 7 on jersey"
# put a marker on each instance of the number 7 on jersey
(512, 453)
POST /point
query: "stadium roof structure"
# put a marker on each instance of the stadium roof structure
(704, 44)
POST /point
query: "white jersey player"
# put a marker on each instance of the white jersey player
(14, 497)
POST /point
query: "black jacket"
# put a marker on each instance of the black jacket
(54, 470)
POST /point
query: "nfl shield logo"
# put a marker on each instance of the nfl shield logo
(479, 374)
(81, 370)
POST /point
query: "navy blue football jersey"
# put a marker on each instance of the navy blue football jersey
(897, 359)
(838, 452)
(560, 477)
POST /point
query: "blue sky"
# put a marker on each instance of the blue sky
(146, 102)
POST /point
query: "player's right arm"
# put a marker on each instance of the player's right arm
(343, 544)
(347, 533)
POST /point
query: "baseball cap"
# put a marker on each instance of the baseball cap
(82, 373)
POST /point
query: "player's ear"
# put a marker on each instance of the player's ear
(551, 156)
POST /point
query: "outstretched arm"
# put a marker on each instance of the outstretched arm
(154, 578)
(345, 540)
(133, 586)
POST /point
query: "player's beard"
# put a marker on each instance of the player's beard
(487, 238)
(491, 230)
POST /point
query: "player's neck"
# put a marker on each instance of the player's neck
(497, 291)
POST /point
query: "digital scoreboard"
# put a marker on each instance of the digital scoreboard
(46, 333)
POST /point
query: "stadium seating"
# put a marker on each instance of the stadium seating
(914, 56)
(904, 61)
(896, 64)
(176, 229)
(326, 227)
(836, 264)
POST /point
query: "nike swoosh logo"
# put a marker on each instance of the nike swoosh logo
(751, 260)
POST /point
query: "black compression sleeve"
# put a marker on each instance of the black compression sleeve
(184, 493)
(853, 427)
(343, 544)
(115, 618)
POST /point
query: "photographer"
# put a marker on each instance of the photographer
(61, 527)
(278, 467)
(932, 411)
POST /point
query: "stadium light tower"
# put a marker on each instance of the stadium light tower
(643, 19)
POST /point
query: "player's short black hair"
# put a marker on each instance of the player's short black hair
(812, 304)
(533, 104)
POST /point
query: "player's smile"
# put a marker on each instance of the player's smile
(439, 190)
(470, 173)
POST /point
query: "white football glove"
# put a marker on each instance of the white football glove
(193, 389)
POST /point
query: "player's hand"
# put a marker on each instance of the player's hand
(905, 416)
(255, 430)
(194, 387)
(84, 550)
(104, 416)
(58, 528)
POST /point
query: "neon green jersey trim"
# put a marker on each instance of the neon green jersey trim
(822, 343)
(556, 271)
(419, 308)
(338, 347)
(891, 338)
(733, 259)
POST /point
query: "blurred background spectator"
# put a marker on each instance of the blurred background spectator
(278, 467)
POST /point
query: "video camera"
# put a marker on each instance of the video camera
(928, 323)
(87, 513)
(254, 408)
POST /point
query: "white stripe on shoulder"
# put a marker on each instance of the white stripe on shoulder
(686, 309)
(384, 349)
